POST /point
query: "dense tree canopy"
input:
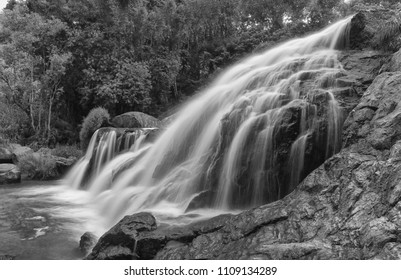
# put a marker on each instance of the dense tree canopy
(61, 58)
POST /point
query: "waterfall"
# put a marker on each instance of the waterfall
(248, 139)
(104, 146)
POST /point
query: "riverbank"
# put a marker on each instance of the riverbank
(25, 163)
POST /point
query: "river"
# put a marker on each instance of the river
(44, 220)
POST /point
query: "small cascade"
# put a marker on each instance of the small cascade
(106, 150)
(104, 146)
(248, 139)
(76, 175)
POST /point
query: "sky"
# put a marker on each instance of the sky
(3, 3)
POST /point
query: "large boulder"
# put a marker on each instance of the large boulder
(9, 173)
(123, 240)
(135, 120)
(87, 242)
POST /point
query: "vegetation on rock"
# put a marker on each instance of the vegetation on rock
(93, 121)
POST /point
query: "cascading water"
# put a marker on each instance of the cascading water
(104, 146)
(246, 140)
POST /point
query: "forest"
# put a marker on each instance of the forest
(61, 58)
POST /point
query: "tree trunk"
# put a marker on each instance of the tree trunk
(49, 118)
(31, 102)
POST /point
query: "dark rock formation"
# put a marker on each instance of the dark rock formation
(135, 120)
(124, 239)
(87, 242)
(9, 173)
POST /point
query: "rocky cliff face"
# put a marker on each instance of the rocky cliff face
(347, 208)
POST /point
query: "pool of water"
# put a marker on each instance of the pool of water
(44, 220)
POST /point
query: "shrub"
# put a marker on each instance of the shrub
(67, 151)
(38, 166)
(93, 121)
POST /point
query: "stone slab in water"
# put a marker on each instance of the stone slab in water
(9, 173)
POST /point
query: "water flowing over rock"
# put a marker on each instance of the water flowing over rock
(349, 207)
(247, 140)
(105, 145)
